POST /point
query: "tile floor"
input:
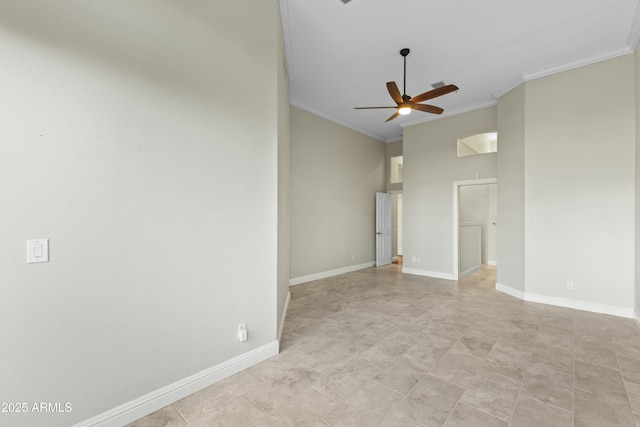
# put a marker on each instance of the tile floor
(380, 348)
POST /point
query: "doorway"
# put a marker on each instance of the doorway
(474, 225)
(383, 229)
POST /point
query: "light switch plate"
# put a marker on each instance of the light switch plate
(37, 251)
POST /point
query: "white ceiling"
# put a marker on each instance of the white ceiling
(340, 56)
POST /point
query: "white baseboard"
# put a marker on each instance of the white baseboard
(158, 399)
(284, 316)
(567, 303)
(470, 270)
(636, 314)
(517, 293)
(426, 273)
(330, 273)
(492, 262)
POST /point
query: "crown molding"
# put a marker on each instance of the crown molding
(394, 139)
(467, 109)
(286, 35)
(337, 121)
(625, 50)
(634, 34)
(514, 83)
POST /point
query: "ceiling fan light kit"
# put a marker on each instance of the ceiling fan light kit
(405, 103)
(404, 109)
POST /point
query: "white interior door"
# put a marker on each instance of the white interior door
(383, 229)
(492, 233)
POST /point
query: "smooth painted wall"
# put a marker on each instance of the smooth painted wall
(284, 171)
(430, 168)
(335, 173)
(124, 140)
(393, 149)
(511, 198)
(637, 205)
(579, 180)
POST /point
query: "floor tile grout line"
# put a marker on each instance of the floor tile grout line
(328, 397)
(544, 403)
(454, 408)
(624, 383)
(482, 410)
(402, 396)
(256, 404)
(573, 401)
(515, 403)
(604, 397)
(179, 413)
(401, 414)
(255, 376)
(416, 384)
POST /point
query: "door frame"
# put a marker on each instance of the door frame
(395, 192)
(456, 216)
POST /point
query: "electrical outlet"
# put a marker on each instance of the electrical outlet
(353, 257)
(413, 259)
(418, 259)
(242, 332)
(570, 285)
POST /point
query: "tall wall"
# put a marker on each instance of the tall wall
(511, 205)
(580, 184)
(393, 149)
(335, 173)
(566, 171)
(637, 205)
(430, 167)
(128, 141)
(284, 171)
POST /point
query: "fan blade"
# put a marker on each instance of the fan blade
(434, 93)
(392, 87)
(370, 108)
(428, 108)
(396, 114)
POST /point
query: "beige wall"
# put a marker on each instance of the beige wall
(430, 167)
(579, 184)
(511, 205)
(130, 151)
(335, 173)
(637, 204)
(284, 168)
(578, 180)
(393, 149)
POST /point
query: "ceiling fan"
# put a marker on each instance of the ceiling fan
(406, 103)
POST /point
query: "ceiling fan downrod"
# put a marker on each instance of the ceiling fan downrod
(404, 52)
